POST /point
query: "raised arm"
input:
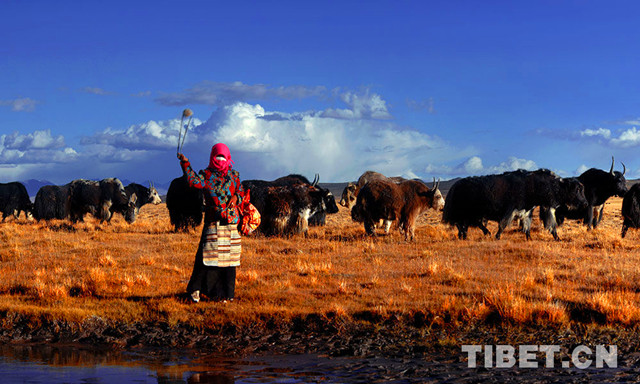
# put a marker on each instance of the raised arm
(194, 179)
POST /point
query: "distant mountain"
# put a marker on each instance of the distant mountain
(34, 185)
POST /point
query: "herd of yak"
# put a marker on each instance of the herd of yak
(292, 203)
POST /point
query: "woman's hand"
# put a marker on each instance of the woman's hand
(182, 157)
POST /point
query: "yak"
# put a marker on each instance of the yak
(185, 204)
(472, 201)
(631, 209)
(318, 218)
(52, 202)
(385, 200)
(143, 194)
(14, 199)
(599, 186)
(350, 192)
(287, 209)
(101, 199)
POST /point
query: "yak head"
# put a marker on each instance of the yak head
(329, 201)
(619, 182)
(434, 196)
(153, 197)
(131, 212)
(349, 196)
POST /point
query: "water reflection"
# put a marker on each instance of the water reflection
(81, 364)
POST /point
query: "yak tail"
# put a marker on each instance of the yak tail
(447, 214)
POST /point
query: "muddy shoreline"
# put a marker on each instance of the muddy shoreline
(391, 349)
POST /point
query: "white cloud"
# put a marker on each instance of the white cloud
(270, 143)
(628, 138)
(475, 166)
(112, 154)
(24, 104)
(264, 144)
(13, 172)
(152, 135)
(310, 143)
(581, 169)
(363, 105)
(513, 163)
(35, 140)
(602, 132)
(34, 148)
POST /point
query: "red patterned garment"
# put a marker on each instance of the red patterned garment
(223, 192)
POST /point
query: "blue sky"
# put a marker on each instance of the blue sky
(93, 89)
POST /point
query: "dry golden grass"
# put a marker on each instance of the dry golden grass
(138, 273)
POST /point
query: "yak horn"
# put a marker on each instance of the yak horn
(315, 180)
(436, 184)
(612, 162)
(624, 169)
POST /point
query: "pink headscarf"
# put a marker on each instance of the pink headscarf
(219, 165)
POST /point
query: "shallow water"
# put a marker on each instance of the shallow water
(78, 364)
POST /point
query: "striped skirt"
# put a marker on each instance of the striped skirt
(221, 245)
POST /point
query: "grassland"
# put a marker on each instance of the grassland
(107, 282)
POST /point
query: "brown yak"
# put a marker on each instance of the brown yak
(386, 200)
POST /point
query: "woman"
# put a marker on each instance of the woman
(214, 270)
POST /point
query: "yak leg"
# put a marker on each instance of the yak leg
(77, 215)
(549, 221)
(599, 212)
(483, 226)
(387, 225)
(462, 231)
(370, 227)
(105, 212)
(625, 227)
(303, 221)
(589, 218)
(504, 223)
(554, 232)
(408, 228)
(525, 222)
(553, 225)
(485, 230)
